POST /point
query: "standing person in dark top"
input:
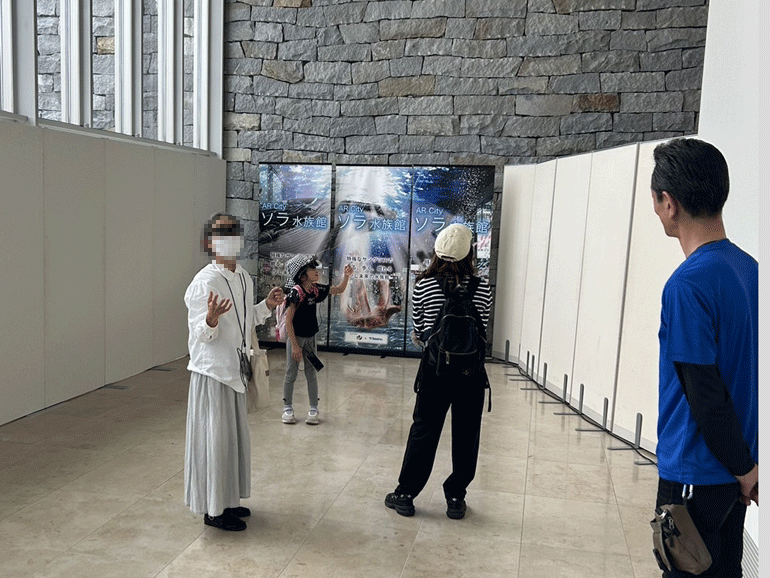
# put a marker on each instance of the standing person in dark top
(301, 328)
(451, 268)
(708, 435)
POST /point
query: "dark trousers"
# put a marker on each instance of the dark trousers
(467, 403)
(718, 514)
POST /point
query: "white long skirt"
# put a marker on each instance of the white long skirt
(217, 463)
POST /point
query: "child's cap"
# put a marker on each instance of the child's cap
(453, 243)
(298, 264)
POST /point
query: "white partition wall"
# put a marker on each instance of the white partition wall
(652, 259)
(537, 262)
(74, 264)
(515, 219)
(608, 225)
(565, 262)
(21, 258)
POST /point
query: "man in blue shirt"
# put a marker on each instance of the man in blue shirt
(708, 432)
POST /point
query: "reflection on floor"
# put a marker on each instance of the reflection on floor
(93, 488)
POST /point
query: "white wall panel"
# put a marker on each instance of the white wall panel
(537, 261)
(128, 267)
(608, 227)
(22, 381)
(515, 219)
(652, 259)
(74, 185)
(565, 261)
(210, 191)
(174, 233)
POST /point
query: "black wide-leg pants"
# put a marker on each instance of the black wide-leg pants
(466, 399)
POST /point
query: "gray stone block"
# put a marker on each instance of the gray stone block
(590, 5)
(103, 27)
(345, 53)
(304, 157)
(250, 103)
(305, 50)
(670, 38)
(673, 121)
(629, 40)
(442, 65)
(314, 90)
(603, 20)
(407, 66)
(378, 144)
(264, 50)
(272, 122)
(633, 82)
(103, 83)
(332, 72)
(550, 66)
(433, 8)
(505, 105)
(465, 86)
(428, 47)
(460, 27)
(492, 28)
(421, 28)
(565, 145)
(370, 107)
(352, 126)
(666, 60)
(243, 66)
(480, 48)
(651, 102)
(349, 13)
(693, 57)
(312, 17)
(545, 105)
(585, 122)
(243, 208)
(388, 50)
(319, 126)
(47, 7)
(597, 102)
(270, 156)
(658, 4)
(237, 11)
(47, 26)
(293, 108)
(309, 142)
(264, 86)
(369, 71)
(48, 44)
(425, 105)
(293, 32)
(454, 144)
(267, 32)
(586, 41)
(416, 144)
(387, 10)
(482, 124)
(369, 159)
(242, 84)
(508, 146)
(531, 126)
(690, 17)
(432, 125)
(607, 140)
(687, 79)
(250, 172)
(265, 139)
(241, 121)
(551, 24)
(414, 86)
(50, 64)
(359, 33)
(391, 124)
(234, 171)
(370, 90)
(235, 31)
(286, 71)
(420, 159)
(495, 8)
(44, 83)
(234, 50)
(266, 13)
(613, 61)
(523, 85)
(329, 36)
(625, 122)
(238, 189)
(576, 83)
(691, 101)
(229, 139)
(638, 20)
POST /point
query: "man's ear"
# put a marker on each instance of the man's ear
(671, 204)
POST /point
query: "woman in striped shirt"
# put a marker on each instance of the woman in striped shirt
(451, 268)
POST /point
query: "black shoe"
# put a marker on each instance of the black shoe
(225, 522)
(239, 512)
(401, 503)
(455, 508)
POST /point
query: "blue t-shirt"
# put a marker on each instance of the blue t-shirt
(709, 317)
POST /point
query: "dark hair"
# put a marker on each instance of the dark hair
(694, 173)
(450, 273)
(211, 229)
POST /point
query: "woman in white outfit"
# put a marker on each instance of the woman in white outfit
(221, 315)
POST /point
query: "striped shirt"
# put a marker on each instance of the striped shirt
(427, 299)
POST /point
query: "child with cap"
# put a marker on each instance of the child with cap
(301, 328)
(450, 269)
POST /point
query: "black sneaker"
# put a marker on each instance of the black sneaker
(225, 522)
(401, 503)
(455, 508)
(239, 512)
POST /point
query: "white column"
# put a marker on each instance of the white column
(128, 67)
(170, 70)
(76, 87)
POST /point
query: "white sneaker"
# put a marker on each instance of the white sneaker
(312, 417)
(288, 416)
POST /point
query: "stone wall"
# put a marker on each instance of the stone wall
(454, 81)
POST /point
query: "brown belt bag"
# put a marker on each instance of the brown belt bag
(677, 542)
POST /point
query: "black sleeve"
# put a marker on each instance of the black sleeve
(714, 413)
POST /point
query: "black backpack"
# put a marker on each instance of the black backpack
(456, 344)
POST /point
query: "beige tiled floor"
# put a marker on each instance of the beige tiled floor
(93, 488)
